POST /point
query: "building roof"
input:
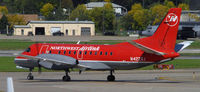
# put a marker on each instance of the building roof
(100, 4)
(62, 22)
(22, 26)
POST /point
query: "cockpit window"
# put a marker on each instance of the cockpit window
(28, 50)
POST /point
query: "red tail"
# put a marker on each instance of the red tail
(165, 36)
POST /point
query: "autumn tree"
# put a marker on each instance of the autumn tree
(15, 20)
(158, 11)
(140, 17)
(80, 12)
(3, 10)
(169, 4)
(183, 6)
(46, 9)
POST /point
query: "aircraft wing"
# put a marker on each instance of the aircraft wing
(182, 45)
(146, 49)
(47, 61)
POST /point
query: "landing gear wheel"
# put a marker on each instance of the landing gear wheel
(30, 77)
(111, 78)
(66, 78)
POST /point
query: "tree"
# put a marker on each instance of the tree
(183, 6)
(46, 9)
(127, 21)
(108, 16)
(169, 4)
(80, 12)
(96, 15)
(59, 14)
(3, 10)
(158, 11)
(103, 17)
(3, 23)
(140, 17)
(16, 20)
(67, 4)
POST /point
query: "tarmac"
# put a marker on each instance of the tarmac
(95, 81)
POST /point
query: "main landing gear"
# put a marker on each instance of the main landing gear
(66, 77)
(30, 76)
(111, 77)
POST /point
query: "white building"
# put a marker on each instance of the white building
(68, 28)
(119, 10)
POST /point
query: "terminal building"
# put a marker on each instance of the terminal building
(67, 28)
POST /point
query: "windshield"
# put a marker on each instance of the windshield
(28, 50)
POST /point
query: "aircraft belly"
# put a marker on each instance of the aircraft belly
(127, 66)
(116, 65)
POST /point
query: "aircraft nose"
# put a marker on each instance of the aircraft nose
(27, 63)
(20, 61)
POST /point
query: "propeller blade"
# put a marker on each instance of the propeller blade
(39, 67)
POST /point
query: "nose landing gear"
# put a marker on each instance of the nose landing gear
(30, 76)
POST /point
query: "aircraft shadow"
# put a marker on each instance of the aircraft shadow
(101, 81)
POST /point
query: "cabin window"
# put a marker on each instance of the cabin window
(64, 52)
(85, 52)
(111, 53)
(95, 53)
(80, 52)
(69, 52)
(106, 53)
(74, 52)
(101, 53)
(58, 52)
(90, 52)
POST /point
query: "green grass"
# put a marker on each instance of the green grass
(14, 44)
(23, 44)
(190, 54)
(195, 45)
(180, 64)
(7, 65)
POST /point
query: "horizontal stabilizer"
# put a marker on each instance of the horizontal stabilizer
(182, 45)
(146, 49)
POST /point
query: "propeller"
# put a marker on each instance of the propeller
(39, 67)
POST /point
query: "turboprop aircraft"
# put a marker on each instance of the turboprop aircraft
(134, 54)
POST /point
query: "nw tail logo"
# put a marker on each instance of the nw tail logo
(171, 19)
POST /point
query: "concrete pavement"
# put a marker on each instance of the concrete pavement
(92, 81)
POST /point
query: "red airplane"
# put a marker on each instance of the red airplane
(134, 54)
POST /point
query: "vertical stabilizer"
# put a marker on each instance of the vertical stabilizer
(165, 36)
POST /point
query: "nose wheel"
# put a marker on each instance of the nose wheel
(30, 76)
(66, 77)
(111, 77)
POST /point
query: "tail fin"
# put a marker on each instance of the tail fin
(165, 36)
